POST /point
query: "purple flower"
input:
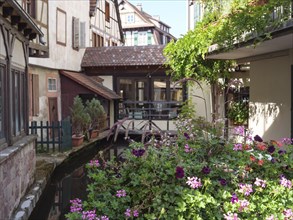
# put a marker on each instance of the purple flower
(121, 193)
(285, 182)
(240, 130)
(187, 149)
(194, 182)
(258, 138)
(234, 198)
(237, 147)
(281, 152)
(272, 217)
(271, 149)
(246, 189)
(94, 163)
(231, 216)
(104, 217)
(76, 205)
(138, 153)
(179, 172)
(135, 213)
(286, 141)
(186, 136)
(259, 182)
(127, 213)
(206, 170)
(243, 204)
(223, 182)
(288, 213)
(89, 215)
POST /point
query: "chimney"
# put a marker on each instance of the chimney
(139, 6)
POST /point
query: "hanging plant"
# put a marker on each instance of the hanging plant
(238, 112)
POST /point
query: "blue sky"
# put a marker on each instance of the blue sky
(171, 12)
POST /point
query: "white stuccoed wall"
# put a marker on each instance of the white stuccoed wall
(270, 97)
(200, 108)
(65, 57)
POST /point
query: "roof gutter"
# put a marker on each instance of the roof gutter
(286, 28)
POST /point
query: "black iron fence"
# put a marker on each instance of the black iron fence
(52, 136)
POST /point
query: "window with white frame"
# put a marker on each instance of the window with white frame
(142, 38)
(52, 84)
(130, 18)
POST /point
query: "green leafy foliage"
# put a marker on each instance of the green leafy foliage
(80, 119)
(238, 112)
(197, 176)
(225, 24)
(96, 112)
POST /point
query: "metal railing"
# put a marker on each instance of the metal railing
(144, 110)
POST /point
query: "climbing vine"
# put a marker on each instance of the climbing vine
(225, 24)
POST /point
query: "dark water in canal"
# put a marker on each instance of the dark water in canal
(69, 181)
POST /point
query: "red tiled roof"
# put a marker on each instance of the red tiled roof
(123, 56)
(90, 83)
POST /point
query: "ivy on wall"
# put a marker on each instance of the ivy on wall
(225, 23)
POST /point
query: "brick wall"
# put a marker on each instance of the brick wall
(17, 169)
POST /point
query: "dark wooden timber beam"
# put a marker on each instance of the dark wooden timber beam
(7, 11)
(27, 31)
(15, 19)
(21, 26)
(1, 3)
(32, 36)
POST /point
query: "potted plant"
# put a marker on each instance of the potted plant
(238, 112)
(95, 110)
(80, 121)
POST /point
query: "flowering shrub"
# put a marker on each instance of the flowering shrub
(199, 176)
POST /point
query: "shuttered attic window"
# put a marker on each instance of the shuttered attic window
(75, 33)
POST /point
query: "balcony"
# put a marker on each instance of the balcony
(155, 115)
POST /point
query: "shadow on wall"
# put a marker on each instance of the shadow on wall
(270, 120)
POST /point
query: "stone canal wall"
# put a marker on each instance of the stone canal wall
(17, 169)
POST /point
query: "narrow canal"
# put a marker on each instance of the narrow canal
(69, 181)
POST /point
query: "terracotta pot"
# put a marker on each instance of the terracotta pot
(94, 133)
(77, 140)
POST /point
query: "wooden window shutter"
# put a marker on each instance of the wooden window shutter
(35, 94)
(107, 11)
(75, 34)
(94, 41)
(82, 34)
(102, 41)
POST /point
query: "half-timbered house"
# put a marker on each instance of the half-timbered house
(17, 148)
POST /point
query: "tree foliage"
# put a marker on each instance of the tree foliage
(225, 24)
